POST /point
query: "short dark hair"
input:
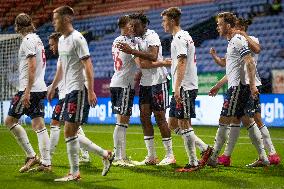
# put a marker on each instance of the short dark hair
(243, 23)
(55, 36)
(122, 21)
(173, 13)
(140, 16)
(24, 23)
(64, 11)
(228, 17)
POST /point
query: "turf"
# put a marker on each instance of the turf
(237, 176)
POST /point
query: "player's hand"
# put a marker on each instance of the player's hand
(214, 90)
(254, 92)
(26, 99)
(212, 51)
(177, 96)
(50, 93)
(124, 47)
(168, 62)
(92, 98)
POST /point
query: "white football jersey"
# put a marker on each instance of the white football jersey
(182, 44)
(32, 46)
(152, 76)
(124, 64)
(255, 57)
(71, 50)
(61, 87)
(236, 50)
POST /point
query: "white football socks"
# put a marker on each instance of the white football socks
(267, 140)
(232, 139)
(220, 139)
(149, 141)
(73, 153)
(22, 139)
(167, 142)
(257, 141)
(189, 144)
(119, 137)
(84, 152)
(54, 138)
(91, 147)
(44, 146)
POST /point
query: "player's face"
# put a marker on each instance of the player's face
(53, 46)
(57, 22)
(128, 29)
(167, 24)
(137, 27)
(221, 27)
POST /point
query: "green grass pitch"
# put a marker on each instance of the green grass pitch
(237, 176)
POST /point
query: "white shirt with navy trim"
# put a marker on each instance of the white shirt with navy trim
(255, 57)
(72, 50)
(32, 46)
(183, 45)
(152, 76)
(124, 64)
(236, 50)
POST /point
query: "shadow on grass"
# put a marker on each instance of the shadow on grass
(47, 179)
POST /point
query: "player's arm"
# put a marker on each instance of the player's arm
(89, 70)
(180, 71)
(31, 78)
(254, 46)
(146, 64)
(214, 90)
(151, 54)
(56, 80)
(249, 61)
(218, 60)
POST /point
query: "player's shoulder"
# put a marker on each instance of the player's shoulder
(151, 33)
(255, 39)
(76, 35)
(120, 38)
(30, 37)
(238, 38)
(182, 36)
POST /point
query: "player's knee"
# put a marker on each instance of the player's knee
(161, 120)
(9, 121)
(55, 123)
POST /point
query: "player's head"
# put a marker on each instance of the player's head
(225, 23)
(62, 17)
(171, 18)
(123, 24)
(24, 24)
(53, 42)
(138, 23)
(242, 24)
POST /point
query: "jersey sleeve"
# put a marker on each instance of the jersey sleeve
(242, 45)
(181, 46)
(81, 47)
(29, 47)
(154, 40)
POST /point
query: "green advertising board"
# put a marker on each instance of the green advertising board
(206, 81)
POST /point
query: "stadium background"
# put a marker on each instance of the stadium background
(97, 20)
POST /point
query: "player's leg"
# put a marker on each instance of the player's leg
(160, 102)
(145, 95)
(55, 125)
(122, 102)
(84, 154)
(273, 157)
(247, 117)
(225, 158)
(16, 110)
(256, 139)
(36, 113)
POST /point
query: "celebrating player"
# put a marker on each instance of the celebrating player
(239, 100)
(153, 94)
(185, 87)
(29, 99)
(74, 57)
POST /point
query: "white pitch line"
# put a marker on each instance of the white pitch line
(140, 133)
(129, 149)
